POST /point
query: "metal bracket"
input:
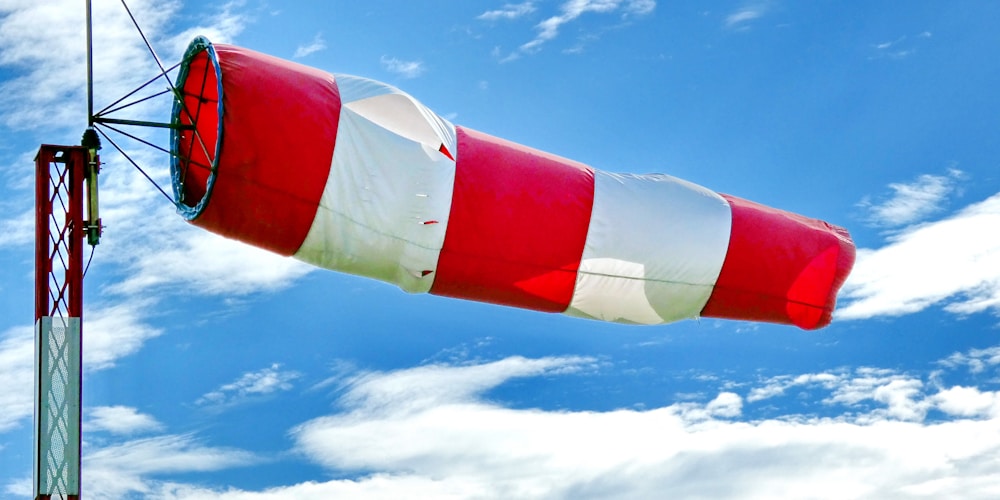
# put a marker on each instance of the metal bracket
(92, 226)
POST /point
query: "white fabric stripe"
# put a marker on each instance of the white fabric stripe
(654, 249)
(354, 88)
(396, 110)
(385, 207)
(404, 116)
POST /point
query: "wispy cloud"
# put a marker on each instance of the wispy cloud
(19, 229)
(50, 62)
(478, 447)
(742, 17)
(406, 69)
(778, 386)
(228, 21)
(968, 402)
(976, 360)
(899, 48)
(508, 11)
(954, 262)
(433, 431)
(317, 44)
(126, 469)
(432, 385)
(17, 355)
(121, 420)
(199, 262)
(897, 396)
(570, 11)
(639, 7)
(44, 58)
(117, 330)
(549, 28)
(258, 383)
(912, 201)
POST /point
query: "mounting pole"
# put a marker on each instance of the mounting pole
(61, 174)
(92, 142)
(90, 68)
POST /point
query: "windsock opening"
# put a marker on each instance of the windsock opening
(195, 138)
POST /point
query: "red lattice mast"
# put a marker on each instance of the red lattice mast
(59, 232)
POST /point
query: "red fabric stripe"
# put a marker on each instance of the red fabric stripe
(518, 223)
(780, 267)
(279, 128)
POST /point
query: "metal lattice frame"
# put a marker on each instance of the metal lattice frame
(59, 233)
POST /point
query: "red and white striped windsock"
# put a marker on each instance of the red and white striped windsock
(356, 176)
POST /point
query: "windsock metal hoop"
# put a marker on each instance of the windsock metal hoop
(192, 150)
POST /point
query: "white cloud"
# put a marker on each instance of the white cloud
(48, 91)
(777, 386)
(17, 355)
(954, 261)
(222, 27)
(432, 385)
(18, 230)
(968, 402)
(433, 431)
(122, 420)
(51, 61)
(508, 11)
(901, 47)
(885, 45)
(174, 255)
(406, 69)
(317, 44)
(115, 331)
(570, 11)
(976, 360)
(20, 487)
(725, 405)
(258, 383)
(376, 486)
(123, 470)
(902, 396)
(640, 7)
(911, 202)
(862, 385)
(461, 439)
(549, 28)
(741, 18)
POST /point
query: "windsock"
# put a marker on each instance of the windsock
(356, 176)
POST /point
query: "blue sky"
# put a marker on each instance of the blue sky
(215, 370)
